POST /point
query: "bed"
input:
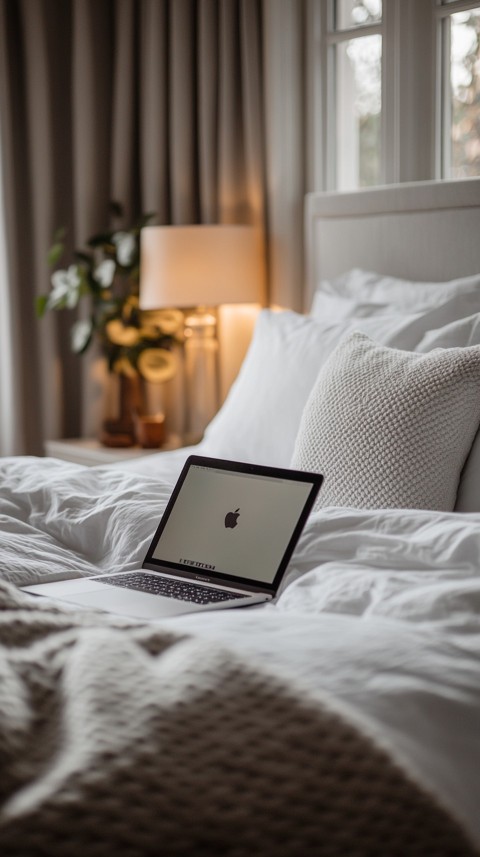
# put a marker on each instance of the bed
(344, 718)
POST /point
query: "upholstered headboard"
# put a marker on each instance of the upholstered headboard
(420, 231)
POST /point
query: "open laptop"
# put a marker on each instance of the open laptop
(224, 540)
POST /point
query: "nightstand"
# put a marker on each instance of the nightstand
(90, 452)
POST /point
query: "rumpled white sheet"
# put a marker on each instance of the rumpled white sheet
(381, 609)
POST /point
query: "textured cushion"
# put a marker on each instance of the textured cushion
(390, 428)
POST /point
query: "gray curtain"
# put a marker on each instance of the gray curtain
(159, 105)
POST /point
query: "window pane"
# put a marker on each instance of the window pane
(465, 93)
(359, 94)
(353, 13)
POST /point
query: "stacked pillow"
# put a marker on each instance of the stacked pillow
(361, 293)
(260, 418)
(457, 303)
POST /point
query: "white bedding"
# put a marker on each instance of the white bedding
(382, 610)
(378, 616)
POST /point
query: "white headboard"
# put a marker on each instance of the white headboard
(420, 231)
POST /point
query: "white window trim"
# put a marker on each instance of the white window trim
(443, 152)
(413, 89)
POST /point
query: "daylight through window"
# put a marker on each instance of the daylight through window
(355, 43)
(462, 95)
(402, 91)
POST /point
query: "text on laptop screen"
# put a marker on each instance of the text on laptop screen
(232, 523)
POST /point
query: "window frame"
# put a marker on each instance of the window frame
(415, 138)
(333, 38)
(443, 101)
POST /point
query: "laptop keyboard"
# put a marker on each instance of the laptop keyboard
(180, 589)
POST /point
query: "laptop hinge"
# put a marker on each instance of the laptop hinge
(200, 578)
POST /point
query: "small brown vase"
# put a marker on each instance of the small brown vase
(120, 431)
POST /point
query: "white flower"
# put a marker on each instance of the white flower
(65, 287)
(125, 244)
(104, 273)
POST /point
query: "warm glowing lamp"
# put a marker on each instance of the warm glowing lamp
(199, 268)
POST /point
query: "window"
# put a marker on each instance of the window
(401, 91)
(355, 47)
(459, 72)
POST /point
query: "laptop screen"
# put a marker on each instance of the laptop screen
(233, 521)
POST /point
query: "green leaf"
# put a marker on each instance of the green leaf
(82, 257)
(56, 303)
(90, 285)
(55, 253)
(41, 305)
(101, 239)
(115, 208)
(59, 234)
(145, 218)
(113, 353)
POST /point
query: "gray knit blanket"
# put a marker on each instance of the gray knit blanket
(123, 739)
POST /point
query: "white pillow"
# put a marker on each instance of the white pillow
(413, 327)
(332, 308)
(260, 416)
(390, 428)
(457, 334)
(468, 494)
(363, 293)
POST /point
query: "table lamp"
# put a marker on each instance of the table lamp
(198, 268)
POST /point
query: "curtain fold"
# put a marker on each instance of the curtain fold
(125, 170)
(207, 110)
(285, 39)
(154, 146)
(160, 105)
(13, 428)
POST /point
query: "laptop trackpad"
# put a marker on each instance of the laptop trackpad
(115, 599)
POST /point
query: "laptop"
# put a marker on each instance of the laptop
(224, 540)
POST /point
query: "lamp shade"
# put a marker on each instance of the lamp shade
(189, 266)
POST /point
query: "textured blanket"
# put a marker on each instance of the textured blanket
(125, 739)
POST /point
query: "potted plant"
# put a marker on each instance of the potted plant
(137, 345)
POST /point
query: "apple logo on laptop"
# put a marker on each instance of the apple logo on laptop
(231, 518)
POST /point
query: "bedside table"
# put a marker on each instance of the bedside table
(91, 452)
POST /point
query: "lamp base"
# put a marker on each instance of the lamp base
(201, 371)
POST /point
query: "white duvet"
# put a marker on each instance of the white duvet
(380, 609)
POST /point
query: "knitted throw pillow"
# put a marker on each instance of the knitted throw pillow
(390, 428)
